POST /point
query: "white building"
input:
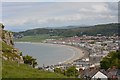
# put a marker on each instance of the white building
(99, 76)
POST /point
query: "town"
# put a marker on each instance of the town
(60, 39)
(96, 48)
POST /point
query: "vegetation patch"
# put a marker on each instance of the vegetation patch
(112, 59)
(15, 70)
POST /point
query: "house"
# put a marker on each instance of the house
(96, 74)
(93, 74)
(113, 73)
(99, 76)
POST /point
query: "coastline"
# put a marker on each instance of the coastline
(78, 52)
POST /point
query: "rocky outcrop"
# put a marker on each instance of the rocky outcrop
(7, 50)
(6, 36)
(1, 29)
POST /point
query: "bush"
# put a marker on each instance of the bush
(30, 60)
(112, 59)
(71, 71)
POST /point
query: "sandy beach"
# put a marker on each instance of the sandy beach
(78, 53)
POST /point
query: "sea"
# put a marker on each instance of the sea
(45, 53)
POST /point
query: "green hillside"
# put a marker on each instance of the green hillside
(11, 69)
(37, 38)
(9, 58)
(7, 51)
(15, 70)
(104, 29)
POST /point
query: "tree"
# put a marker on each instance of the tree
(105, 63)
(30, 60)
(71, 71)
(112, 59)
(58, 70)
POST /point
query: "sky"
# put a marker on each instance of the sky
(20, 16)
(59, 0)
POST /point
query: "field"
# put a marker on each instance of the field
(36, 38)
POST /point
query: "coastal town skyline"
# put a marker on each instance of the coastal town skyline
(18, 16)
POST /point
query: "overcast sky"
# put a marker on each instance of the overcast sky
(19, 16)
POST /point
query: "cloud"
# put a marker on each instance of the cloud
(0, 12)
(60, 0)
(44, 14)
(100, 8)
(96, 8)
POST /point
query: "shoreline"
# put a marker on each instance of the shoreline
(78, 53)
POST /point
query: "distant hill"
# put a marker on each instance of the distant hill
(67, 27)
(104, 29)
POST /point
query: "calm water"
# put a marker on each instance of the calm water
(47, 54)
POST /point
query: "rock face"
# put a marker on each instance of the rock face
(6, 36)
(7, 50)
(1, 29)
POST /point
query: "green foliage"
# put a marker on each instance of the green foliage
(8, 51)
(12, 70)
(93, 42)
(112, 59)
(71, 71)
(21, 54)
(36, 38)
(0, 67)
(58, 70)
(104, 29)
(30, 60)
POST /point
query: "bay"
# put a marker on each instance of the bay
(47, 54)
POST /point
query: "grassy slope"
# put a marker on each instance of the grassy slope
(0, 68)
(13, 70)
(7, 51)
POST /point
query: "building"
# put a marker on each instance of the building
(99, 76)
(113, 73)
(93, 74)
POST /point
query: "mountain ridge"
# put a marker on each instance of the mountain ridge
(104, 29)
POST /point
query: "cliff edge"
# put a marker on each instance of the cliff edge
(7, 49)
